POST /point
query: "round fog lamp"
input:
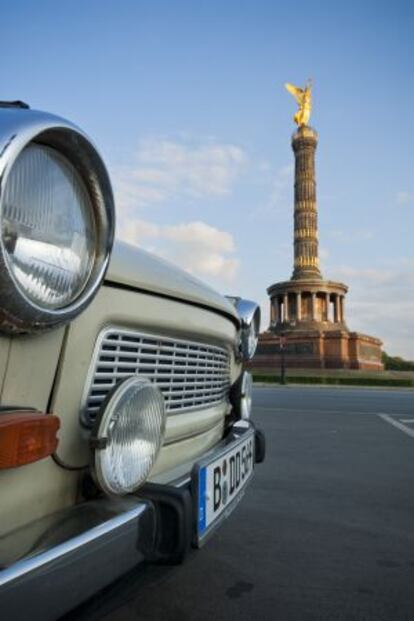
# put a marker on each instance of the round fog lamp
(128, 436)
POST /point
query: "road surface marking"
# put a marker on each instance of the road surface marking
(302, 410)
(396, 423)
(410, 421)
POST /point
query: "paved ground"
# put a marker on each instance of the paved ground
(326, 531)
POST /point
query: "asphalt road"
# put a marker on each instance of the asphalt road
(325, 531)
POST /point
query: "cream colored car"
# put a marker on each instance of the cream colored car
(125, 429)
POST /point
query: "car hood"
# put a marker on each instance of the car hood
(133, 267)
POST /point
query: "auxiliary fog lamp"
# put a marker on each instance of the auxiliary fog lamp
(127, 436)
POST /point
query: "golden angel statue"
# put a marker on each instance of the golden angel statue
(304, 98)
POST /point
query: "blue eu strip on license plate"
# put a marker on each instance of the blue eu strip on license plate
(221, 483)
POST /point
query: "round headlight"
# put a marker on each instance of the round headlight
(47, 229)
(128, 436)
(57, 220)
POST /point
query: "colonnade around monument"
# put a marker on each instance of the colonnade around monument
(305, 306)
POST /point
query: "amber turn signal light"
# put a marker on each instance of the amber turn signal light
(26, 437)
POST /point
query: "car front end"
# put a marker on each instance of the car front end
(125, 429)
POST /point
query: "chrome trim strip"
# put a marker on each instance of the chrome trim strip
(25, 566)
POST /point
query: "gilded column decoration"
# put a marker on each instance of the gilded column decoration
(303, 98)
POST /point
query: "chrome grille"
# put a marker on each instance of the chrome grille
(190, 375)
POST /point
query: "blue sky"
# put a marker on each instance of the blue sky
(186, 102)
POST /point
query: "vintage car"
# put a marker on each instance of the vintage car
(125, 429)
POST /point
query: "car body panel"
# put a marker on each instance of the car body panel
(35, 490)
(136, 268)
(134, 310)
(30, 378)
(32, 361)
(5, 343)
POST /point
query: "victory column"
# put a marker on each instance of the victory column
(308, 311)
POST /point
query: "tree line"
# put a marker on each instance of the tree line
(395, 363)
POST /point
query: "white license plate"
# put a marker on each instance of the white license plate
(221, 483)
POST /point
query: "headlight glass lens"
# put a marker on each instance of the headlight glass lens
(252, 339)
(249, 339)
(246, 396)
(133, 427)
(48, 229)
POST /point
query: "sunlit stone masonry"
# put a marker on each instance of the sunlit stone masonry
(307, 311)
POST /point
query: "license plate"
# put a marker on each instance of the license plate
(221, 483)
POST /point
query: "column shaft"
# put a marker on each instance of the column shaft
(298, 306)
(336, 308)
(275, 310)
(285, 307)
(306, 260)
(313, 306)
(272, 311)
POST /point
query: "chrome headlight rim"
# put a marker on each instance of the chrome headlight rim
(100, 439)
(250, 315)
(19, 129)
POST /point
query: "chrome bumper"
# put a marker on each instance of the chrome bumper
(53, 564)
(71, 555)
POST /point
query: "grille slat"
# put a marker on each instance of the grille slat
(216, 384)
(165, 374)
(167, 390)
(190, 375)
(202, 366)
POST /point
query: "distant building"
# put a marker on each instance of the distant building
(307, 311)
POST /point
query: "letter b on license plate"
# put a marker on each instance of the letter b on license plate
(221, 483)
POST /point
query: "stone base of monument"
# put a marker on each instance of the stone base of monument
(317, 349)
